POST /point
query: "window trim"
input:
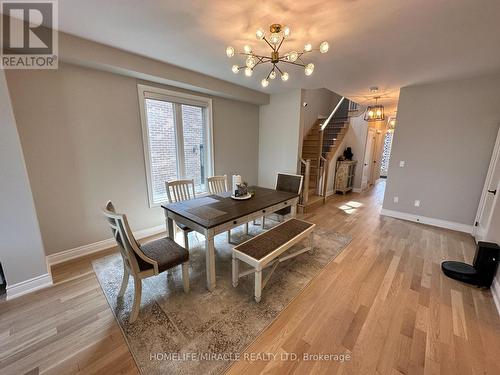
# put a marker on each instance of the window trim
(152, 92)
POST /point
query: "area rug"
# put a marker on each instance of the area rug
(203, 332)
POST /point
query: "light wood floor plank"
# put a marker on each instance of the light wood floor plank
(384, 301)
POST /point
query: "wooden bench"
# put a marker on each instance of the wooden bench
(266, 250)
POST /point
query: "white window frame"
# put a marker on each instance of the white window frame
(152, 92)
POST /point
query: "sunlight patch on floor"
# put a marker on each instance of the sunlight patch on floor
(350, 207)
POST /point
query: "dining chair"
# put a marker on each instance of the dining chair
(143, 261)
(178, 191)
(291, 183)
(218, 185)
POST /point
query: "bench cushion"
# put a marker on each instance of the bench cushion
(267, 242)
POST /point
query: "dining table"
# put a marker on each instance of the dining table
(213, 214)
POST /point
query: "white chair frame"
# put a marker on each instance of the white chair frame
(128, 247)
(178, 191)
(218, 185)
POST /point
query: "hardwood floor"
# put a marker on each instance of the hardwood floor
(383, 301)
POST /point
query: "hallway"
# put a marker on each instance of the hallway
(385, 302)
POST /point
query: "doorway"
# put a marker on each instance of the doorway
(366, 180)
(489, 196)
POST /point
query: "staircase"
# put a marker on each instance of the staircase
(319, 146)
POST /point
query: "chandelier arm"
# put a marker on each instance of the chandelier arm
(281, 42)
(279, 70)
(294, 63)
(272, 70)
(260, 57)
(270, 45)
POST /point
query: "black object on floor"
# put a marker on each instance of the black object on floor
(483, 269)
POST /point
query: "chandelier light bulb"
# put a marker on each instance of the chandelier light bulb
(230, 51)
(235, 69)
(324, 47)
(264, 82)
(379, 113)
(259, 34)
(275, 38)
(250, 62)
(308, 47)
(248, 71)
(286, 31)
(272, 75)
(370, 113)
(293, 56)
(247, 48)
(309, 69)
(284, 76)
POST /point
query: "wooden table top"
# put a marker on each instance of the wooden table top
(212, 210)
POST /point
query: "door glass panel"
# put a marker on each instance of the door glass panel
(162, 146)
(195, 163)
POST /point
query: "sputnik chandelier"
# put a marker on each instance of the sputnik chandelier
(275, 39)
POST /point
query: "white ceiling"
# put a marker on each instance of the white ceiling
(385, 43)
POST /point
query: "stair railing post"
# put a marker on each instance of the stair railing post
(325, 179)
(319, 155)
(305, 190)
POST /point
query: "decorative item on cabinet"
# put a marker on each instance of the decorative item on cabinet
(344, 176)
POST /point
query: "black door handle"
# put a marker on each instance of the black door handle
(494, 192)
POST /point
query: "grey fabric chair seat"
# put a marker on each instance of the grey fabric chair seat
(165, 252)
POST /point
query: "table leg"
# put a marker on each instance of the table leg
(170, 228)
(258, 285)
(210, 261)
(236, 271)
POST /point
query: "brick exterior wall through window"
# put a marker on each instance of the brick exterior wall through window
(163, 146)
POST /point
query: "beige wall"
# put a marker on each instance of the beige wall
(320, 102)
(21, 248)
(279, 138)
(81, 135)
(445, 133)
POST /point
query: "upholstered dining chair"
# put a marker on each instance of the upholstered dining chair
(291, 183)
(177, 191)
(218, 185)
(143, 261)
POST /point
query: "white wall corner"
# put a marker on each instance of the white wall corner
(77, 252)
(28, 286)
(428, 220)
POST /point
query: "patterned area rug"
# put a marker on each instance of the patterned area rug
(202, 332)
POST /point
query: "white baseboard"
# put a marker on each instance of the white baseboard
(329, 193)
(428, 220)
(495, 291)
(81, 251)
(28, 286)
(357, 190)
